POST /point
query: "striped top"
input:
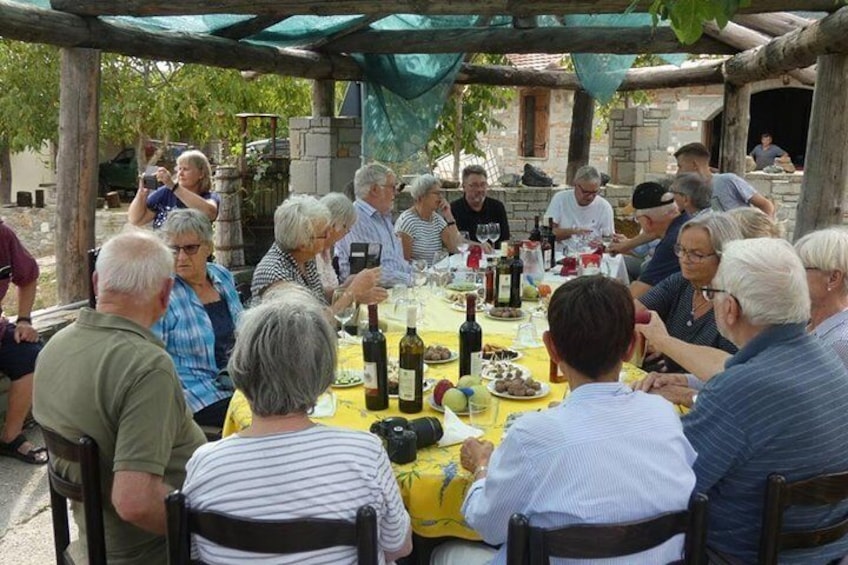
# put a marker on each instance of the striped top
(606, 454)
(426, 234)
(373, 227)
(834, 332)
(276, 266)
(778, 407)
(672, 300)
(319, 472)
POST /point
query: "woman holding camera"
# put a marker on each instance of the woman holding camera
(193, 189)
(307, 470)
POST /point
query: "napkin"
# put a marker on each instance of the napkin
(455, 430)
(325, 407)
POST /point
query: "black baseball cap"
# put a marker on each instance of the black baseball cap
(650, 195)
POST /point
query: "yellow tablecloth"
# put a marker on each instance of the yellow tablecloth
(434, 486)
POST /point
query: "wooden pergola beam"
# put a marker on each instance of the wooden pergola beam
(794, 50)
(37, 25)
(371, 7)
(779, 23)
(645, 78)
(248, 27)
(619, 40)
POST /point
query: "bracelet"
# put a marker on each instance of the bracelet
(480, 469)
(26, 319)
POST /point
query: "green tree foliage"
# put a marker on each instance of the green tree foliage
(688, 16)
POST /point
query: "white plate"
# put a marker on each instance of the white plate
(359, 381)
(541, 393)
(432, 402)
(461, 307)
(525, 372)
(461, 287)
(523, 317)
(515, 355)
(428, 385)
(453, 357)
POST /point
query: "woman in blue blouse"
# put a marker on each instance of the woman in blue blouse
(198, 328)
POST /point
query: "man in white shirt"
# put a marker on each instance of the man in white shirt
(581, 210)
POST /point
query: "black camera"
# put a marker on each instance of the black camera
(403, 438)
(150, 182)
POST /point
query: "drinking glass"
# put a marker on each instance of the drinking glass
(462, 246)
(483, 412)
(343, 315)
(607, 237)
(441, 267)
(494, 232)
(419, 274)
(482, 233)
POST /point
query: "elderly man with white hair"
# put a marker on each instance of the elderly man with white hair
(374, 186)
(109, 377)
(778, 406)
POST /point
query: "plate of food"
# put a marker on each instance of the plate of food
(506, 313)
(439, 408)
(459, 305)
(499, 370)
(518, 388)
(436, 354)
(498, 353)
(347, 378)
(461, 286)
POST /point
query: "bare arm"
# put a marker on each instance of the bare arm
(565, 233)
(138, 213)
(638, 288)
(405, 550)
(139, 498)
(26, 298)
(197, 202)
(700, 360)
(763, 203)
(628, 245)
(406, 242)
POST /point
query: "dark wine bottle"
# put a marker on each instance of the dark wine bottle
(490, 281)
(376, 364)
(516, 277)
(535, 233)
(411, 367)
(552, 242)
(470, 340)
(502, 280)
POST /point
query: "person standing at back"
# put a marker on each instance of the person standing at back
(729, 190)
(475, 207)
(109, 377)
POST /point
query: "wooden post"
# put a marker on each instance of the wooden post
(229, 243)
(734, 128)
(580, 137)
(76, 176)
(823, 189)
(323, 98)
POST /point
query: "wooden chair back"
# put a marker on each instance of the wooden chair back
(264, 536)
(816, 491)
(87, 492)
(535, 546)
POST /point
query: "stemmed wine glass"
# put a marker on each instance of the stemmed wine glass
(482, 233)
(343, 315)
(441, 267)
(494, 232)
(462, 246)
(419, 274)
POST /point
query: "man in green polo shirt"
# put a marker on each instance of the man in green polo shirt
(107, 376)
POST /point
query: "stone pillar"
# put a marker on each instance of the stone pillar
(325, 153)
(638, 141)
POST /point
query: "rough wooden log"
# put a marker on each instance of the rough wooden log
(368, 7)
(794, 50)
(744, 38)
(323, 98)
(825, 183)
(580, 136)
(76, 174)
(734, 128)
(646, 78)
(247, 28)
(37, 25)
(779, 23)
(621, 40)
(229, 241)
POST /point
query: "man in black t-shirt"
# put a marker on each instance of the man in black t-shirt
(475, 208)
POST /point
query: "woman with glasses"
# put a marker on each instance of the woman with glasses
(428, 226)
(678, 301)
(198, 327)
(302, 228)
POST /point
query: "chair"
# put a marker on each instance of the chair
(264, 536)
(88, 492)
(533, 545)
(816, 491)
(92, 254)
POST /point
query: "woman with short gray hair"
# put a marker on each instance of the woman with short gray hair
(428, 226)
(352, 467)
(198, 328)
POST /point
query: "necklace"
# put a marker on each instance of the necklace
(696, 308)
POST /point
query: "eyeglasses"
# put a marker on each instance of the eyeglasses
(709, 294)
(393, 187)
(588, 192)
(692, 256)
(189, 249)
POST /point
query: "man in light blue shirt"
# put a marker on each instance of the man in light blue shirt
(605, 455)
(374, 186)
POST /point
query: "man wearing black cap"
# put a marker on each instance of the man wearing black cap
(655, 210)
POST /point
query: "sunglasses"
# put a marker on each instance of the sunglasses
(189, 249)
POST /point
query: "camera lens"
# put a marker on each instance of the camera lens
(427, 430)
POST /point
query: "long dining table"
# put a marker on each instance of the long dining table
(433, 487)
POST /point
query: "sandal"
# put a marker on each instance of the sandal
(11, 449)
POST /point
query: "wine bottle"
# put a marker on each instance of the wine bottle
(552, 242)
(535, 233)
(490, 281)
(411, 367)
(516, 277)
(502, 280)
(376, 364)
(470, 341)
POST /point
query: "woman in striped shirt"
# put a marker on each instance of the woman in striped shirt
(428, 226)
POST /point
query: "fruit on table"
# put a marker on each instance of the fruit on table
(529, 292)
(544, 290)
(468, 381)
(455, 399)
(481, 395)
(439, 391)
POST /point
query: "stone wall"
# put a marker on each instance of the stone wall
(325, 153)
(638, 144)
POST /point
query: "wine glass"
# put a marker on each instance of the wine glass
(419, 273)
(494, 232)
(441, 267)
(607, 237)
(343, 315)
(482, 233)
(462, 246)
